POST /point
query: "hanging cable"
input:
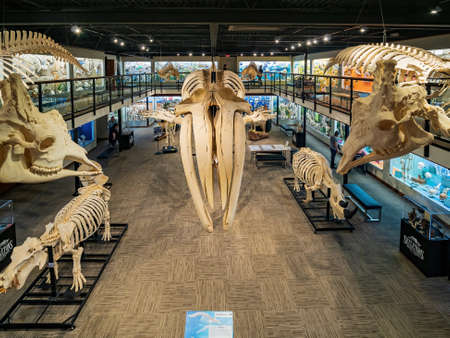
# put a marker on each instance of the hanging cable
(382, 21)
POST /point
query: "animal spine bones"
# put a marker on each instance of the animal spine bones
(170, 121)
(312, 169)
(74, 223)
(385, 120)
(33, 145)
(16, 43)
(212, 105)
(167, 71)
(251, 72)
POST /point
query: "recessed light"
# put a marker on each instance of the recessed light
(277, 41)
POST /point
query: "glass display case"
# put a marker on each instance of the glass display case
(423, 176)
(299, 66)
(186, 66)
(133, 118)
(318, 122)
(257, 101)
(137, 67)
(165, 102)
(7, 232)
(6, 214)
(95, 68)
(86, 134)
(318, 68)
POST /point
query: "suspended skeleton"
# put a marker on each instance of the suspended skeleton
(212, 105)
(250, 72)
(167, 71)
(74, 223)
(16, 43)
(386, 119)
(168, 122)
(34, 145)
(313, 170)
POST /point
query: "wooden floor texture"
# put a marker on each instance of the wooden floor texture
(278, 278)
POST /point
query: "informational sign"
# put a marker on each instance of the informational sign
(209, 324)
(7, 244)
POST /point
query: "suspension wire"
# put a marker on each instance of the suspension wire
(382, 21)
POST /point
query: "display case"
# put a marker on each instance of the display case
(138, 67)
(424, 235)
(425, 177)
(133, 118)
(257, 101)
(86, 134)
(268, 67)
(166, 102)
(7, 232)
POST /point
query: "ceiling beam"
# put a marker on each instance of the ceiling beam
(213, 30)
(336, 17)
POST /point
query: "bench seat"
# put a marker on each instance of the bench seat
(364, 201)
(272, 158)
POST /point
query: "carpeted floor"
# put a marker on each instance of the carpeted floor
(278, 278)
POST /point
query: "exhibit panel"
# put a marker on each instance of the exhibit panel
(268, 67)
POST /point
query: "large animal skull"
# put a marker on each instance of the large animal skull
(34, 145)
(24, 259)
(385, 120)
(212, 105)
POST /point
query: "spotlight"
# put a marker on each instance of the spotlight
(254, 54)
(146, 49)
(115, 40)
(122, 43)
(362, 30)
(286, 49)
(242, 54)
(277, 41)
(299, 44)
(308, 43)
(76, 29)
(433, 11)
(262, 54)
(190, 54)
(142, 47)
(178, 54)
(271, 53)
(151, 40)
(326, 38)
(292, 47)
(203, 54)
(315, 41)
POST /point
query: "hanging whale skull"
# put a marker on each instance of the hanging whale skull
(34, 145)
(212, 103)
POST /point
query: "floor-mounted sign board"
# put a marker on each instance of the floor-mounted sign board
(7, 244)
(209, 324)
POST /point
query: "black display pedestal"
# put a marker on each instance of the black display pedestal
(298, 139)
(7, 244)
(126, 140)
(431, 257)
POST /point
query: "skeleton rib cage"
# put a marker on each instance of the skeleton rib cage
(308, 170)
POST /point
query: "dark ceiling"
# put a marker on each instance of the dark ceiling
(225, 26)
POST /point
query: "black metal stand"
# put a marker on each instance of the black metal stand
(314, 210)
(42, 301)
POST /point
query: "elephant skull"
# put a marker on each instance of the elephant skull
(212, 105)
(34, 145)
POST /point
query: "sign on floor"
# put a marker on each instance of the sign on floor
(209, 324)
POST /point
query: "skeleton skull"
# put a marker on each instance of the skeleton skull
(212, 104)
(385, 120)
(34, 145)
(24, 259)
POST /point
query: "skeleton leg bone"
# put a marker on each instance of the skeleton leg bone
(78, 278)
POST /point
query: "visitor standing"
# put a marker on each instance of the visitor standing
(333, 148)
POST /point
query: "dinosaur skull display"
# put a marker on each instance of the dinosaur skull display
(34, 145)
(385, 120)
(212, 106)
(24, 259)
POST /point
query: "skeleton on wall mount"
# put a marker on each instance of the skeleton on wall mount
(212, 106)
(385, 120)
(313, 170)
(13, 44)
(34, 145)
(74, 223)
(167, 71)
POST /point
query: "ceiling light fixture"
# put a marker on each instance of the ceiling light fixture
(299, 44)
(292, 47)
(143, 47)
(286, 48)
(203, 54)
(315, 41)
(146, 49)
(254, 54)
(115, 40)
(362, 29)
(262, 54)
(326, 38)
(242, 54)
(277, 41)
(190, 54)
(76, 29)
(271, 53)
(308, 43)
(122, 43)
(178, 54)
(151, 40)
